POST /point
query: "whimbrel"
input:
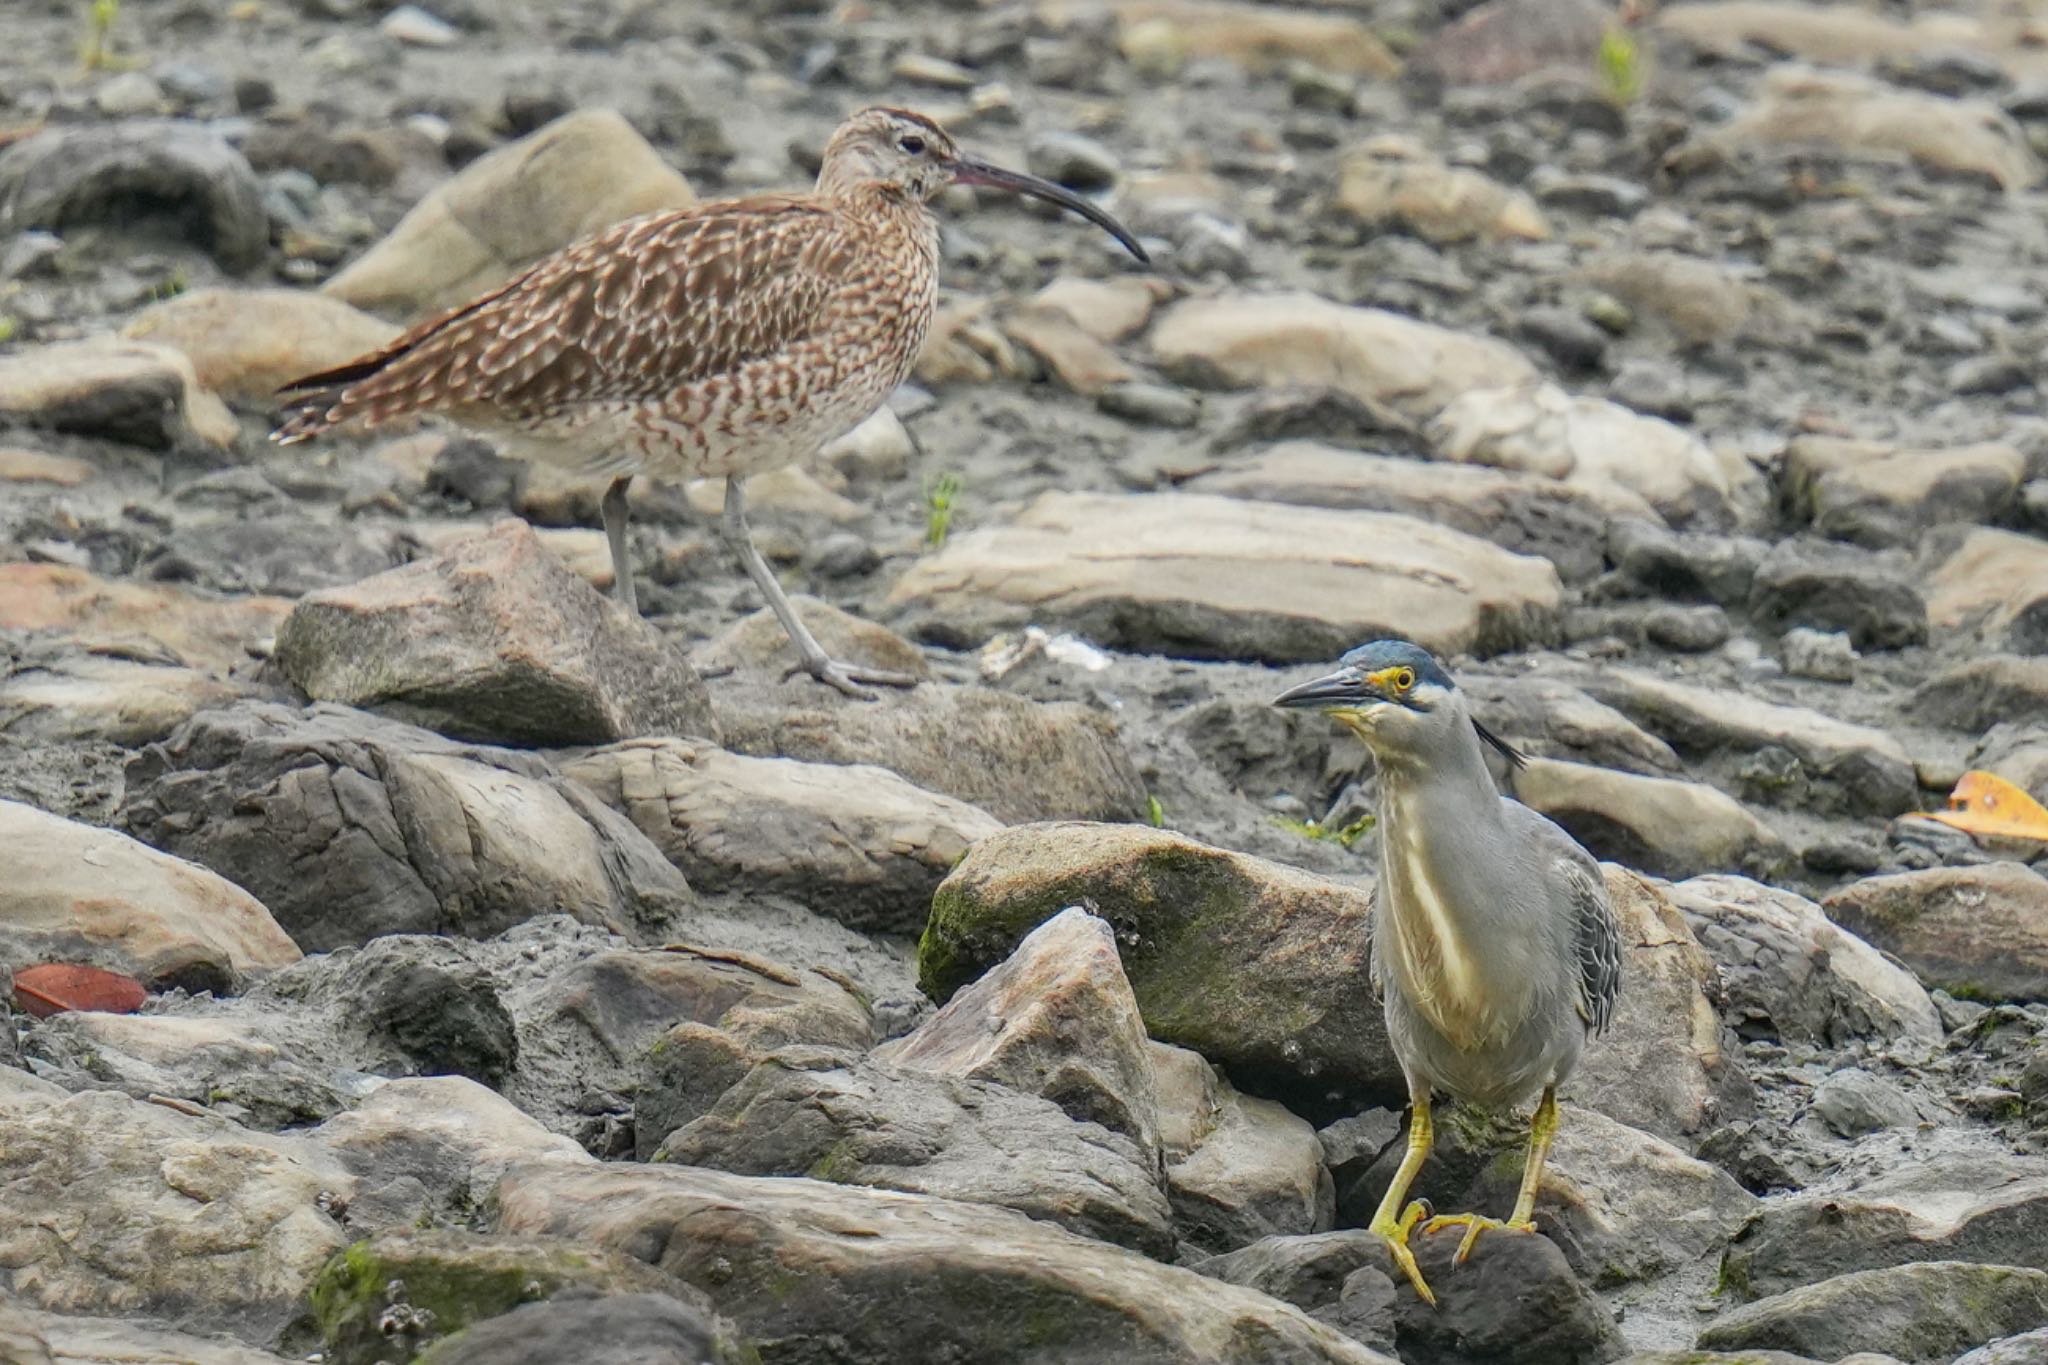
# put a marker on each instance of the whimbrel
(723, 339)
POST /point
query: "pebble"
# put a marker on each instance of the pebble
(1157, 405)
(1205, 244)
(1567, 337)
(417, 27)
(1070, 159)
(1689, 630)
(1824, 655)
(129, 95)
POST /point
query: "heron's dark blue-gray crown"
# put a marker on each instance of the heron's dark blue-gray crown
(1385, 654)
(1389, 671)
(1385, 673)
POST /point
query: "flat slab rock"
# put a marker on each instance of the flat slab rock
(1836, 764)
(493, 639)
(1924, 1314)
(1526, 513)
(852, 841)
(894, 1277)
(1297, 339)
(349, 825)
(1015, 758)
(831, 1115)
(139, 620)
(1978, 930)
(1211, 577)
(78, 893)
(1970, 1207)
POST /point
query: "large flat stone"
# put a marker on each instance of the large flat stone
(893, 1277)
(1996, 586)
(1594, 443)
(92, 697)
(1664, 826)
(131, 391)
(77, 893)
(245, 344)
(852, 841)
(1878, 495)
(1284, 340)
(148, 620)
(1211, 577)
(1790, 973)
(1926, 1312)
(350, 826)
(1859, 114)
(1978, 931)
(1836, 765)
(854, 1121)
(1530, 514)
(115, 1207)
(583, 172)
(1965, 1207)
(1013, 757)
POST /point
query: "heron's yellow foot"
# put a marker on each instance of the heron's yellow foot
(1394, 1232)
(1474, 1224)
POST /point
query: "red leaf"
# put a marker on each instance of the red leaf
(58, 986)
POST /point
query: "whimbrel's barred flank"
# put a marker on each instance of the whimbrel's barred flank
(723, 339)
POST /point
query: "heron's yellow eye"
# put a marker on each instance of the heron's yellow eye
(1403, 679)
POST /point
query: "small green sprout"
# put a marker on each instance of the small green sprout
(941, 495)
(1621, 66)
(1155, 812)
(97, 51)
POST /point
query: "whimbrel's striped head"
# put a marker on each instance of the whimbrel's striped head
(908, 152)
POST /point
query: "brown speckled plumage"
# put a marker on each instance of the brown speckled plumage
(723, 339)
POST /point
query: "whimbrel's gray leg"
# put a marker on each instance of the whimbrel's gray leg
(613, 506)
(811, 658)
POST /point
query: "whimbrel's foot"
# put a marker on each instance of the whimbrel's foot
(1395, 1235)
(847, 678)
(1474, 1224)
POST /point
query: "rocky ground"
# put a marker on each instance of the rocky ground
(519, 967)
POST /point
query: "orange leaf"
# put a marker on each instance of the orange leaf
(57, 986)
(1986, 804)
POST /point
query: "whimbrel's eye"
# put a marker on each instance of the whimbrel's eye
(913, 144)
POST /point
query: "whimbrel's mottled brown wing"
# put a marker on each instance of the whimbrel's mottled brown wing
(630, 314)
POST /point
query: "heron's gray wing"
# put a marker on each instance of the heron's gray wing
(1595, 935)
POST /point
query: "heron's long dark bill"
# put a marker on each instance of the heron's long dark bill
(971, 170)
(1331, 690)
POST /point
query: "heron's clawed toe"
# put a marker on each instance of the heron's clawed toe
(1474, 1224)
(848, 678)
(1395, 1235)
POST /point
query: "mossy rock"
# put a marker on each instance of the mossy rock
(1257, 966)
(387, 1297)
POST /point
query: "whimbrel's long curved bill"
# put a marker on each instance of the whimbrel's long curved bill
(972, 170)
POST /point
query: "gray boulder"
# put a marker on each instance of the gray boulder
(831, 1116)
(1056, 1018)
(349, 826)
(493, 639)
(1975, 1206)
(620, 1329)
(889, 1277)
(1924, 1314)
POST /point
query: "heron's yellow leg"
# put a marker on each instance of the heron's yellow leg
(1542, 1130)
(1392, 1223)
